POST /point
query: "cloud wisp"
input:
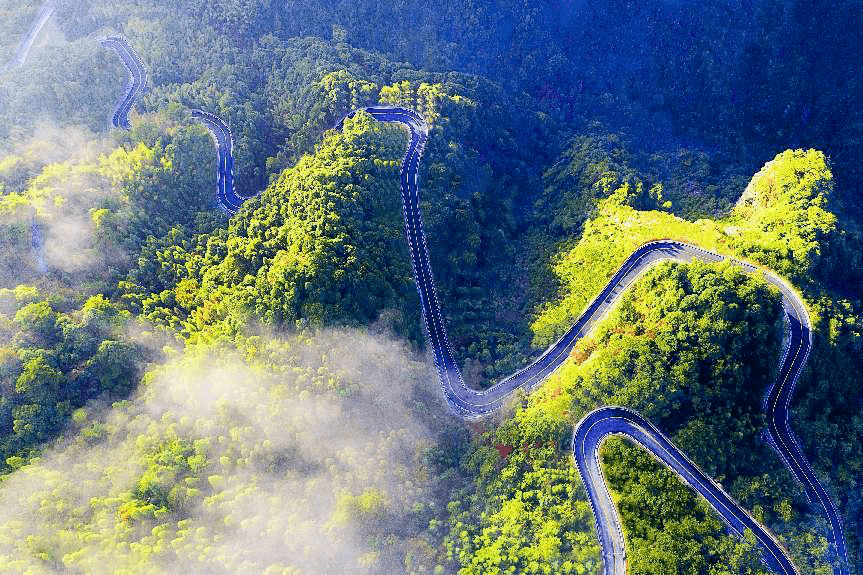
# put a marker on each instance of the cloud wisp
(311, 461)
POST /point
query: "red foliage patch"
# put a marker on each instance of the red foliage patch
(503, 450)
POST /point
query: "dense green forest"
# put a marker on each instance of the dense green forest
(184, 390)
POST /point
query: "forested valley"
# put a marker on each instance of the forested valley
(183, 389)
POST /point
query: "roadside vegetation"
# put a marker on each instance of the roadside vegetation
(679, 348)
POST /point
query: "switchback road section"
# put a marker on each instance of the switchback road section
(470, 403)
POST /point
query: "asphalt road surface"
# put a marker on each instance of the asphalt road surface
(470, 403)
(229, 199)
(136, 83)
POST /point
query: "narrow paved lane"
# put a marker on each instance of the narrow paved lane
(137, 79)
(228, 197)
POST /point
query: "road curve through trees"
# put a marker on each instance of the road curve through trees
(589, 433)
(37, 244)
(136, 83)
(27, 42)
(605, 421)
(228, 197)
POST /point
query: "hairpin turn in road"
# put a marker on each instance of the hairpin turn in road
(471, 403)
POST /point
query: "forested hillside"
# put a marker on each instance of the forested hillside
(183, 389)
(677, 334)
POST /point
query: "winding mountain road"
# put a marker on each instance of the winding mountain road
(596, 426)
(228, 199)
(136, 83)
